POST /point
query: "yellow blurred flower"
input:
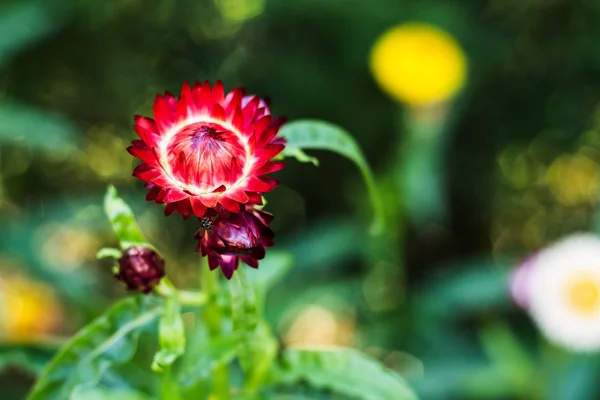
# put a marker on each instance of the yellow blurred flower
(418, 64)
(28, 309)
(66, 247)
(316, 325)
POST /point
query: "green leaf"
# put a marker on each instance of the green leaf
(24, 22)
(272, 269)
(20, 124)
(171, 335)
(320, 135)
(212, 354)
(244, 316)
(343, 371)
(29, 357)
(512, 361)
(257, 346)
(109, 339)
(299, 155)
(122, 220)
(263, 351)
(577, 381)
(478, 284)
(102, 393)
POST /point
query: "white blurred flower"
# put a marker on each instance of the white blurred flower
(519, 282)
(563, 285)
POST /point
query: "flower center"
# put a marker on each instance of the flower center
(583, 296)
(206, 155)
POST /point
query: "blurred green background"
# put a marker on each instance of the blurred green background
(519, 168)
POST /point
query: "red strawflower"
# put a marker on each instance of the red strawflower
(227, 239)
(206, 149)
(140, 268)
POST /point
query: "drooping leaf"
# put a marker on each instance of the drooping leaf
(171, 335)
(122, 220)
(343, 371)
(321, 135)
(109, 339)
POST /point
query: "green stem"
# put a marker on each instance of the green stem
(185, 297)
(169, 389)
(212, 319)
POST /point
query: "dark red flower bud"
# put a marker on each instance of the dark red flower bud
(140, 268)
(227, 239)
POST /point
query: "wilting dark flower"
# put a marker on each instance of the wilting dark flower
(207, 150)
(237, 236)
(141, 269)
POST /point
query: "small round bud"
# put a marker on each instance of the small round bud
(140, 269)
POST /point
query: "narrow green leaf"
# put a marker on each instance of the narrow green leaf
(320, 135)
(343, 371)
(122, 220)
(109, 339)
(171, 334)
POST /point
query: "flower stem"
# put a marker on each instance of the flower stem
(186, 297)
(212, 319)
(169, 389)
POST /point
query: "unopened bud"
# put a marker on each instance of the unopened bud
(140, 269)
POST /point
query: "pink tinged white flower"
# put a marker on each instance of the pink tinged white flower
(520, 279)
(207, 150)
(238, 236)
(564, 292)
